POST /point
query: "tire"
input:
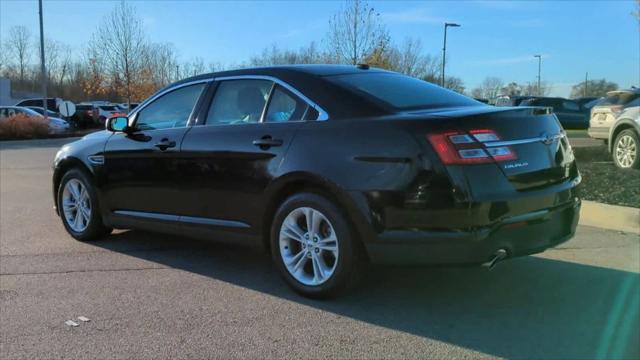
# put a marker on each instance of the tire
(89, 226)
(626, 150)
(345, 265)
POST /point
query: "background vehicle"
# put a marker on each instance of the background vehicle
(107, 111)
(56, 125)
(52, 103)
(40, 110)
(506, 100)
(86, 115)
(585, 100)
(624, 137)
(569, 112)
(328, 167)
(605, 113)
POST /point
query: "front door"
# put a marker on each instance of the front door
(142, 177)
(236, 153)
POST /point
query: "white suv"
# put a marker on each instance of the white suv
(604, 115)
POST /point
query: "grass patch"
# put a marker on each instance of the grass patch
(603, 182)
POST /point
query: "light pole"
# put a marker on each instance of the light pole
(539, 65)
(43, 68)
(444, 48)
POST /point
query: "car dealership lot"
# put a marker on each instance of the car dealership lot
(158, 296)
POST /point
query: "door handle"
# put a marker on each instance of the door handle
(266, 142)
(164, 144)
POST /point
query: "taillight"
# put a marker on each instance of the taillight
(472, 147)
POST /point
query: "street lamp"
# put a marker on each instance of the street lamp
(539, 64)
(444, 47)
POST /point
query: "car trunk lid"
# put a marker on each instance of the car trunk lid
(525, 146)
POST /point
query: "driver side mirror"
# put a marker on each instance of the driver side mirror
(117, 124)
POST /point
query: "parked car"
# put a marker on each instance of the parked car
(506, 100)
(329, 167)
(624, 137)
(605, 113)
(107, 111)
(86, 115)
(583, 100)
(124, 107)
(56, 125)
(52, 103)
(569, 112)
(40, 110)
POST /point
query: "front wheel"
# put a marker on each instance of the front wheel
(314, 247)
(78, 207)
(626, 150)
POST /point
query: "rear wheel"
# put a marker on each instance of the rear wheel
(78, 207)
(626, 150)
(314, 247)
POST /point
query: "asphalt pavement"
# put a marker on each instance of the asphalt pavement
(156, 296)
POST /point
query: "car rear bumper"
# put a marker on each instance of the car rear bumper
(519, 235)
(599, 132)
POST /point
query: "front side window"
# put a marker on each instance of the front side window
(170, 110)
(284, 106)
(239, 102)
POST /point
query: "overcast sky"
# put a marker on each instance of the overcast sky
(497, 38)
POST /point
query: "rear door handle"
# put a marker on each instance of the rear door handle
(266, 142)
(164, 144)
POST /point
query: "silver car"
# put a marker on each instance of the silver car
(624, 137)
(604, 115)
(56, 125)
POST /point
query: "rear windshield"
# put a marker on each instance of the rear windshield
(619, 99)
(108, 107)
(401, 92)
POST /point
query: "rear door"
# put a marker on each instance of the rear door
(236, 151)
(142, 177)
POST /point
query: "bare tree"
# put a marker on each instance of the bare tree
(18, 46)
(120, 41)
(355, 32)
(411, 60)
(594, 88)
(161, 58)
(489, 89)
(454, 83)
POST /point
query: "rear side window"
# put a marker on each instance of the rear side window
(284, 106)
(239, 102)
(401, 92)
(570, 105)
(170, 110)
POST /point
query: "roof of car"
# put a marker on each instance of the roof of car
(624, 91)
(307, 69)
(309, 80)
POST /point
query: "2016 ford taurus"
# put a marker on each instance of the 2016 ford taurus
(328, 167)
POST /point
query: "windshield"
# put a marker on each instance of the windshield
(401, 92)
(108, 108)
(619, 99)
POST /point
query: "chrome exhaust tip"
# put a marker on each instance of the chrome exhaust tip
(497, 256)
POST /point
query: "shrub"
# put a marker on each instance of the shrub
(23, 127)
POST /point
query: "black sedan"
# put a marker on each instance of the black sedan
(328, 168)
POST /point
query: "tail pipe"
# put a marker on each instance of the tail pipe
(497, 256)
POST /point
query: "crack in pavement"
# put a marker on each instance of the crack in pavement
(86, 270)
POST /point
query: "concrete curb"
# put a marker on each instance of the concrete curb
(610, 217)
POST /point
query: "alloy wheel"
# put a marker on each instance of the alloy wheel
(308, 246)
(76, 205)
(626, 151)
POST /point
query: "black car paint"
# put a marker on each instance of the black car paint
(404, 203)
